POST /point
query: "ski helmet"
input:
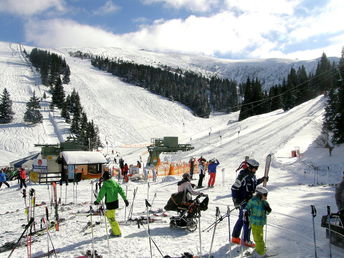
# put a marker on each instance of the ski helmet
(186, 176)
(261, 190)
(252, 163)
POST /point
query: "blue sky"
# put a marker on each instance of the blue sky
(235, 29)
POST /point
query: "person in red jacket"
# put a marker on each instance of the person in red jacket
(22, 177)
(125, 172)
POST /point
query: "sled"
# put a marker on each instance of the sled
(333, 222)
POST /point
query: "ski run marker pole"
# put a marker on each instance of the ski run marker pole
(212, 239)
(314, 213)
(329, 228)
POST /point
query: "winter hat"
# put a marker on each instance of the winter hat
(106, 175)
(252, 163)
(186, 176)
(261, 190)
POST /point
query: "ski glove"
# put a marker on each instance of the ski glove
(96, 203)
(245, 215)
(265, 177)
(236, 203)
(126, 203)
(267, 208)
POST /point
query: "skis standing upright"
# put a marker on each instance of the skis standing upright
(267, 168)
(56, 206)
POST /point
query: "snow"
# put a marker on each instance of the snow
(128, 117)
(83, 157)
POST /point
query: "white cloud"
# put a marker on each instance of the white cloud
(108, 8)
(251, 32)
(30, 7)
(68, 33)
(193, 5)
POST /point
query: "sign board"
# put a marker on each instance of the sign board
(71, 171)
(40, 165)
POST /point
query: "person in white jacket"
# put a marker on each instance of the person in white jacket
(184, 185)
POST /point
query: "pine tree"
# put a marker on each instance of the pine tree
(58, 95)
(32, 114)
(6, 112)
(338, 131)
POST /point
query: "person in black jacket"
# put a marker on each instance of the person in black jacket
(242, 191)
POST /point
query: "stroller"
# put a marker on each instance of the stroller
(188, 211)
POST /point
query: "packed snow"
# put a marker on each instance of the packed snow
(128, 117)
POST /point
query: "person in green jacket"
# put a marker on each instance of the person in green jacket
(110, 189)
(255, 211)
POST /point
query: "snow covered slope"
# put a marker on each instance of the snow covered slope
(128, 115)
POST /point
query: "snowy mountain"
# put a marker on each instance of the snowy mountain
(129, 117)
(269, 71)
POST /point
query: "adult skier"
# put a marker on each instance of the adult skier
(212, 172)
(3, 178)
(340, 199)
(110, 189)
(256, 210)
(242, 191)
(22, 177)
(192, 166)
(185, 186)
(201, 167)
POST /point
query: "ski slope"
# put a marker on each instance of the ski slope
(127, 116)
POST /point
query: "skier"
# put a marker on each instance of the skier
(110, 190)
(3, 178)
(201, 175)
(255, 212)
(340, 199)
(185, 186)
(192, 165)
(242, 191)
(125, 171)
(212, 172)
(243, 164)
(22, 177)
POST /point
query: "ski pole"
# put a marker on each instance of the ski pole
(314, 213)
(125, 208)
(222, 217)
(21, 236)
(149, 235)
(200, 235)
(212, 239)
(329, 228)
(106, 227)
(229, 232)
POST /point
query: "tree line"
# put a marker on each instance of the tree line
(201, 94)
(54, 73)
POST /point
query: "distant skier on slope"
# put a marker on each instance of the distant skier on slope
(340, 199)
(110, 190)
(201, 168)
(242, 191)
(22, 177)
(255, 212)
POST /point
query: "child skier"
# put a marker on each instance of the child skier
(255, 211)
(110, 190)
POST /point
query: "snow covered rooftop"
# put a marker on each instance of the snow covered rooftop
(83, 157)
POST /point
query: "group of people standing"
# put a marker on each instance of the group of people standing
(202, 166)
(248, 196)
(21, 177)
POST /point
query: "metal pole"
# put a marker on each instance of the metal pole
(314, 213)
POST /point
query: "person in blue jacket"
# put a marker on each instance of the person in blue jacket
(242, 191)
(212, 172)
(3, 178)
